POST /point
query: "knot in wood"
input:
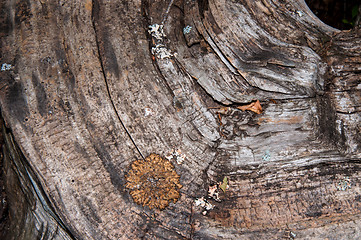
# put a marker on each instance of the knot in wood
(153, 182)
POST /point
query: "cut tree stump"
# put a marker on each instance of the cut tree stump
(90, 89)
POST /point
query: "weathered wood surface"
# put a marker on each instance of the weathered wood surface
(30, 215)
(84, 97)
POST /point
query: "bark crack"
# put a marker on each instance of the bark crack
(94, 9)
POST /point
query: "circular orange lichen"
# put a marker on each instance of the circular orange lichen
(153, 182)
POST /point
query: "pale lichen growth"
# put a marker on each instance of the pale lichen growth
(148, 112)
(153, 182)
(213, 194)
(176, 155)
(203, 203)
(187, 29)
(6, 67)
(161, 52)
(266, 156)
(344, 184)
(156, 31)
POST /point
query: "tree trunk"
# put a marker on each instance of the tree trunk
(90, 89)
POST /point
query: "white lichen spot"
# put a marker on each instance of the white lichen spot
(208, 206)
(300, 13)
(6, 67)
(358, 87)
(156, 31)
(339, 126)
(200, 202)
(344, 184)
(266, 156)
(161, 52)
(176, 155)
(148, 112)
(187, 29)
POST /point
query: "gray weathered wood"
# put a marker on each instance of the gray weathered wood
(85, 96)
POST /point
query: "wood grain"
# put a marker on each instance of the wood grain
(85, 97)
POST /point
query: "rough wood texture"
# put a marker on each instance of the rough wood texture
(85, 97)
(30, 213)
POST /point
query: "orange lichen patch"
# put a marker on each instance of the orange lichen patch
(153, 182)
(254, 107)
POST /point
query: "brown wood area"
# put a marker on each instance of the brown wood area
(251, 108)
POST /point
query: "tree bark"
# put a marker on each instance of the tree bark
(88, 87)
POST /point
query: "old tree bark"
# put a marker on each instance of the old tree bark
(87, 88)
